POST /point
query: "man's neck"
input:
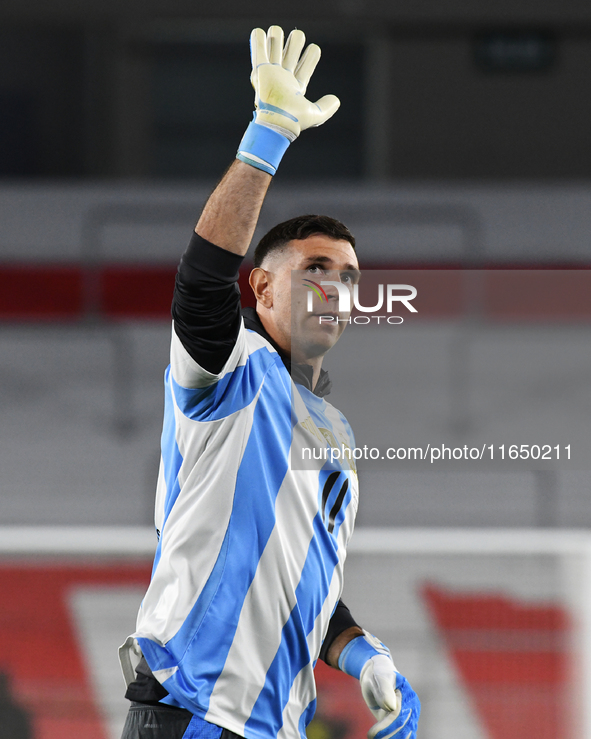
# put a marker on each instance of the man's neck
(314, 362)
(316, 368)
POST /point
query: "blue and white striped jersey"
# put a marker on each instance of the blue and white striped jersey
(249, 565)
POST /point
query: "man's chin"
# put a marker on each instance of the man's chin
(317, 347)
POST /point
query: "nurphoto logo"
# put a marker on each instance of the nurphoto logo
(394, 296)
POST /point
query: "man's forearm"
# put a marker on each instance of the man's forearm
(230, 215)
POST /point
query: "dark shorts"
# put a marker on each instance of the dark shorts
(166, 722)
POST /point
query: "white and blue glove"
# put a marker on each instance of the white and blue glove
(387, 693)
(280, 77)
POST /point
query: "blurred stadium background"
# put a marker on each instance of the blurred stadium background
(462, 142)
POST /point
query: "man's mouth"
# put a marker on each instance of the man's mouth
(327, 317)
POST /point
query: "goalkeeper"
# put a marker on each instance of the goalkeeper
(245, 587)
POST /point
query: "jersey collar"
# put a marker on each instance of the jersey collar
(301, 374)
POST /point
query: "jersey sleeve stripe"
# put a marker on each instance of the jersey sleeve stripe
(235, 391)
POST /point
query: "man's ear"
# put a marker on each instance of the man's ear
(260, 282)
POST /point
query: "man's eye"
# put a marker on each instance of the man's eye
(347, 278)
(315, 269)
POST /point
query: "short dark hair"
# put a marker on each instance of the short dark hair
(297, 229)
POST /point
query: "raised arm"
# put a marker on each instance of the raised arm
(206, 305)
(280, 76)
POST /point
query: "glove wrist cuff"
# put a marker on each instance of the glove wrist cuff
(262, 147)
(355, 656)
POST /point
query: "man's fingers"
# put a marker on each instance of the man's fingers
(392, 726)
(275, 44)
(293, 49)
(391, 699)
(327, 107)
(281, 72)
(307, 65)
(258, 48)
(398, 702)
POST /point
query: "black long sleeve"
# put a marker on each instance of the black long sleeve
(341, 621)
(206, 303)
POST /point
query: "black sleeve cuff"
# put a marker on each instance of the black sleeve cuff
(204, 261)
(341, 621)
(145, 688)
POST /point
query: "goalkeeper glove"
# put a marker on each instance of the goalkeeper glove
(387, 693)
(280, 77)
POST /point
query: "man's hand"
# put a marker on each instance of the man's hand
(391, 700)
(280, 77)
(387, 693)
